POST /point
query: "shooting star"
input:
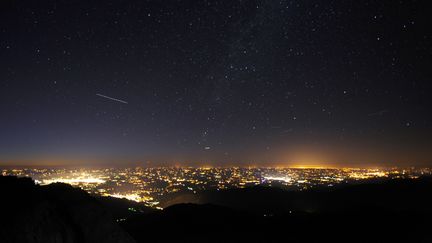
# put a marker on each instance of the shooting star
(110, 98)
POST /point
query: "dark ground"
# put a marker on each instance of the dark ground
(384, 211)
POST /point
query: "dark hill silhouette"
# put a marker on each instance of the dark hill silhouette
(382, 195)
(393, 195)
(121, 208)
(383, 211)
(53, 213)
(386, 211)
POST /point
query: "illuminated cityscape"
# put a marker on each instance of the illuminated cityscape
(215, 121)
(150, 185)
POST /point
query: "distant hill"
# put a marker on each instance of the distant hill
(121, 208)
(53, 213)
(391, 196)
(386, 211)
(382, 195)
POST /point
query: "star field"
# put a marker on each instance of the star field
(337, 82)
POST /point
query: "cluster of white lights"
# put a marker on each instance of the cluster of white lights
(278, 178)
(75, 181)
(132, 197)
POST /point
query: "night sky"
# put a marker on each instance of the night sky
(215, 82)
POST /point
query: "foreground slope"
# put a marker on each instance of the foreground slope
(54, 213)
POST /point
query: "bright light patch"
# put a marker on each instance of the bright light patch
(75, 181)
(132, 197)
(278, 178)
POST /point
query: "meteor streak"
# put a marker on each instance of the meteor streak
(110, 98)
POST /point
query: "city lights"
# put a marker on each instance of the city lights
(150, 185)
